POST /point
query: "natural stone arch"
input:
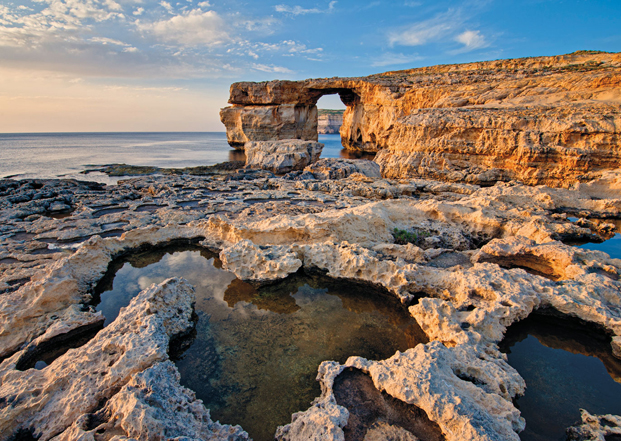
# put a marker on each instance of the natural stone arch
(279, 110)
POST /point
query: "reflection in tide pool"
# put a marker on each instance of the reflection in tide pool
(612, 246)
(566, 366)
(256, 352)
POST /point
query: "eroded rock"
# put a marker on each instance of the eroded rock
(281, 157)
(540, 120)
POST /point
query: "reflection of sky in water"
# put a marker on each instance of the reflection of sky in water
(562, 376)
(196, 269)
(612, 246)
(255, 356)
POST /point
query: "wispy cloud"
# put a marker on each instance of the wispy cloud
(389, 59)
(272, 68)
(167, 6)
(416, 34)
(299, 10)
(105, 40)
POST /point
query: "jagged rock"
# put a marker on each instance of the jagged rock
(540, 120)
(124, 366)
(595, 428)
(269, 123)
(429, 377)
(282, 156)
(267, 227)
(339, 168)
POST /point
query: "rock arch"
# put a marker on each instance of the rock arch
(279, 110)
(542, 120)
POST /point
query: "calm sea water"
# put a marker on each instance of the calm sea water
(52, 155)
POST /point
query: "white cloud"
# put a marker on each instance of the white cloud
(264, 25)
(112, 5)
(167, 6)
(428, 30)
(299, 10)
(472, 40)
(59, 21)
(191, 28)
(130, 49)
(389, 59)
(271, 68)
(203, 4)
(138, 11)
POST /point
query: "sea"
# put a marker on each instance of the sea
(67, 155)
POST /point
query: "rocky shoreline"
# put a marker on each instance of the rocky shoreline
(451, 221)
(492, 256)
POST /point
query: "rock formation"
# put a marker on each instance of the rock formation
(468, 260)
(490, 257)
(543, 120)
(281, 157)
(329, 122)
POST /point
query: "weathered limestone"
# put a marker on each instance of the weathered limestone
(465, 271)
(338, 168)
(269, 123)
(427, 376)
(282, 156)
(595, 427)
(124, 366)
(543, 120)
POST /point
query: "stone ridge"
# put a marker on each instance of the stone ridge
(541, 120)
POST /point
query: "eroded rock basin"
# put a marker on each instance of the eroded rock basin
(255, 354)
(567, 366)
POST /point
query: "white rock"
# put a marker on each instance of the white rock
(282, 156)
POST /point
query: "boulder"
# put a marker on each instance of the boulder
(282, 156)
(339, 168)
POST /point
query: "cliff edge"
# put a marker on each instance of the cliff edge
(541, 120)
(329, 121)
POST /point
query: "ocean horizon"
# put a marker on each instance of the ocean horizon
(45, 155)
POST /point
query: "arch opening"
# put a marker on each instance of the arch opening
(336, 111)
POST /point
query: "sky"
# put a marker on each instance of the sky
(156, 65)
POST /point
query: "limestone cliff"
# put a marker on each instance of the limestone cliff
(329, 121)
(542, 120)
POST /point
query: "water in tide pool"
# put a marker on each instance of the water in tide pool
(255, 356)
(612, 246)
(567, 366)
(53, 155)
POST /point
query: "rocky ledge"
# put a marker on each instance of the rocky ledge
(489, 257)
(542, 120)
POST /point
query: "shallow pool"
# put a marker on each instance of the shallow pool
(255, 355)
(566, 366)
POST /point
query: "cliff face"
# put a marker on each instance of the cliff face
(329, 122)
(544, 120)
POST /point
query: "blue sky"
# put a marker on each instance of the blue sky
(143, 65)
